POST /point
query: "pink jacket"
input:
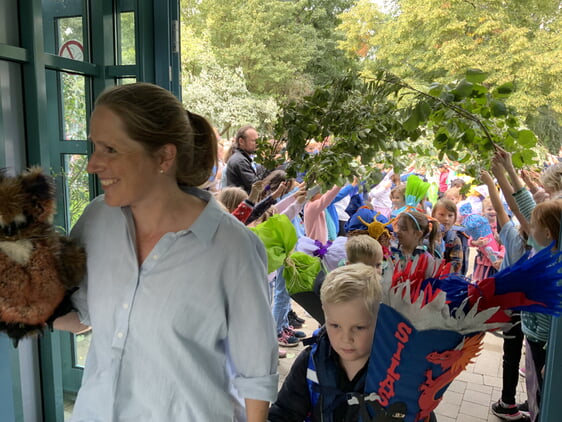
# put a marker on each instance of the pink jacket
(314, 219)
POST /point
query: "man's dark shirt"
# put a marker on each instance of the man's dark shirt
(240, 171)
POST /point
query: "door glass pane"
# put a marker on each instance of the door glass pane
(81, 346)
(9, 28)
(126, 46)
(76, 185)
(70, 40)
(74, 106)
(125, 81)
(63, 28)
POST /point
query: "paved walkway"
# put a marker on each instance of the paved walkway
(469, 396)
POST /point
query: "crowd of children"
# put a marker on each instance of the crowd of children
(366, 239)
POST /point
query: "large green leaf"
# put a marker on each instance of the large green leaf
(504, 91)
(463, 89)
(527, 138)
(498, 108)
(476, 76)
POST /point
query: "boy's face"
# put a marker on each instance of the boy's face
(445, 217)
(350, 328)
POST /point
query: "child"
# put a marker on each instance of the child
(545, 227)
(411, 229)
(364, 249)
(489, 251)
(506, 407)
(315, 224)
(336, 363)
(445, 212)
(452, 194)
(489, 212)
(398, 199)
(443, 178)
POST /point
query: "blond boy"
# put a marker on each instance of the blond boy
(365, 249)
(336, 364)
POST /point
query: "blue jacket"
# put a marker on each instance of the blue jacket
(317, 388)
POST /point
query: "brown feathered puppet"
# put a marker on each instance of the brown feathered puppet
(39, 268)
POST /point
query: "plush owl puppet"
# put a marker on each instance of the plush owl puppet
(39, 268)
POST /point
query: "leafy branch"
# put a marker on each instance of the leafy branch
(377, 122)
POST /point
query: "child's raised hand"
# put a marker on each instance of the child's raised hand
(529, 180)
(497, 167)
(280, 189)
(486, 178)
(256, 190)
(503, 157)
(300, 195)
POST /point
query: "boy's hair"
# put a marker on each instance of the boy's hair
(357, 248)
(447, 204)
(350, 282)
(231, 197)
(399, 190)
(547, 214)
(551, 178)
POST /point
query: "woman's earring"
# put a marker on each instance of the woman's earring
(161, 171)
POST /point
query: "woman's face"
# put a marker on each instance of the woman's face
(126, 171)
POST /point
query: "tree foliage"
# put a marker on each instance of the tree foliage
(438, 40)
(264, 38)
(221, 95)
(328, 60)
(382, 119)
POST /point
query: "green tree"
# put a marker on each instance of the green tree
(220, 94)
(438, 40)
(545, 124)
(328, 61)
(264, 38)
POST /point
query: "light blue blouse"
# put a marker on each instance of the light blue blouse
(185, 337)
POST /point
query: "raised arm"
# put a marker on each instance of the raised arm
(504, 158)
(509, 191)
(502, 216)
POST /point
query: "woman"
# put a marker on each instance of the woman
(171, 276)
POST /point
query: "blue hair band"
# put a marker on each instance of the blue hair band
(414, 219)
